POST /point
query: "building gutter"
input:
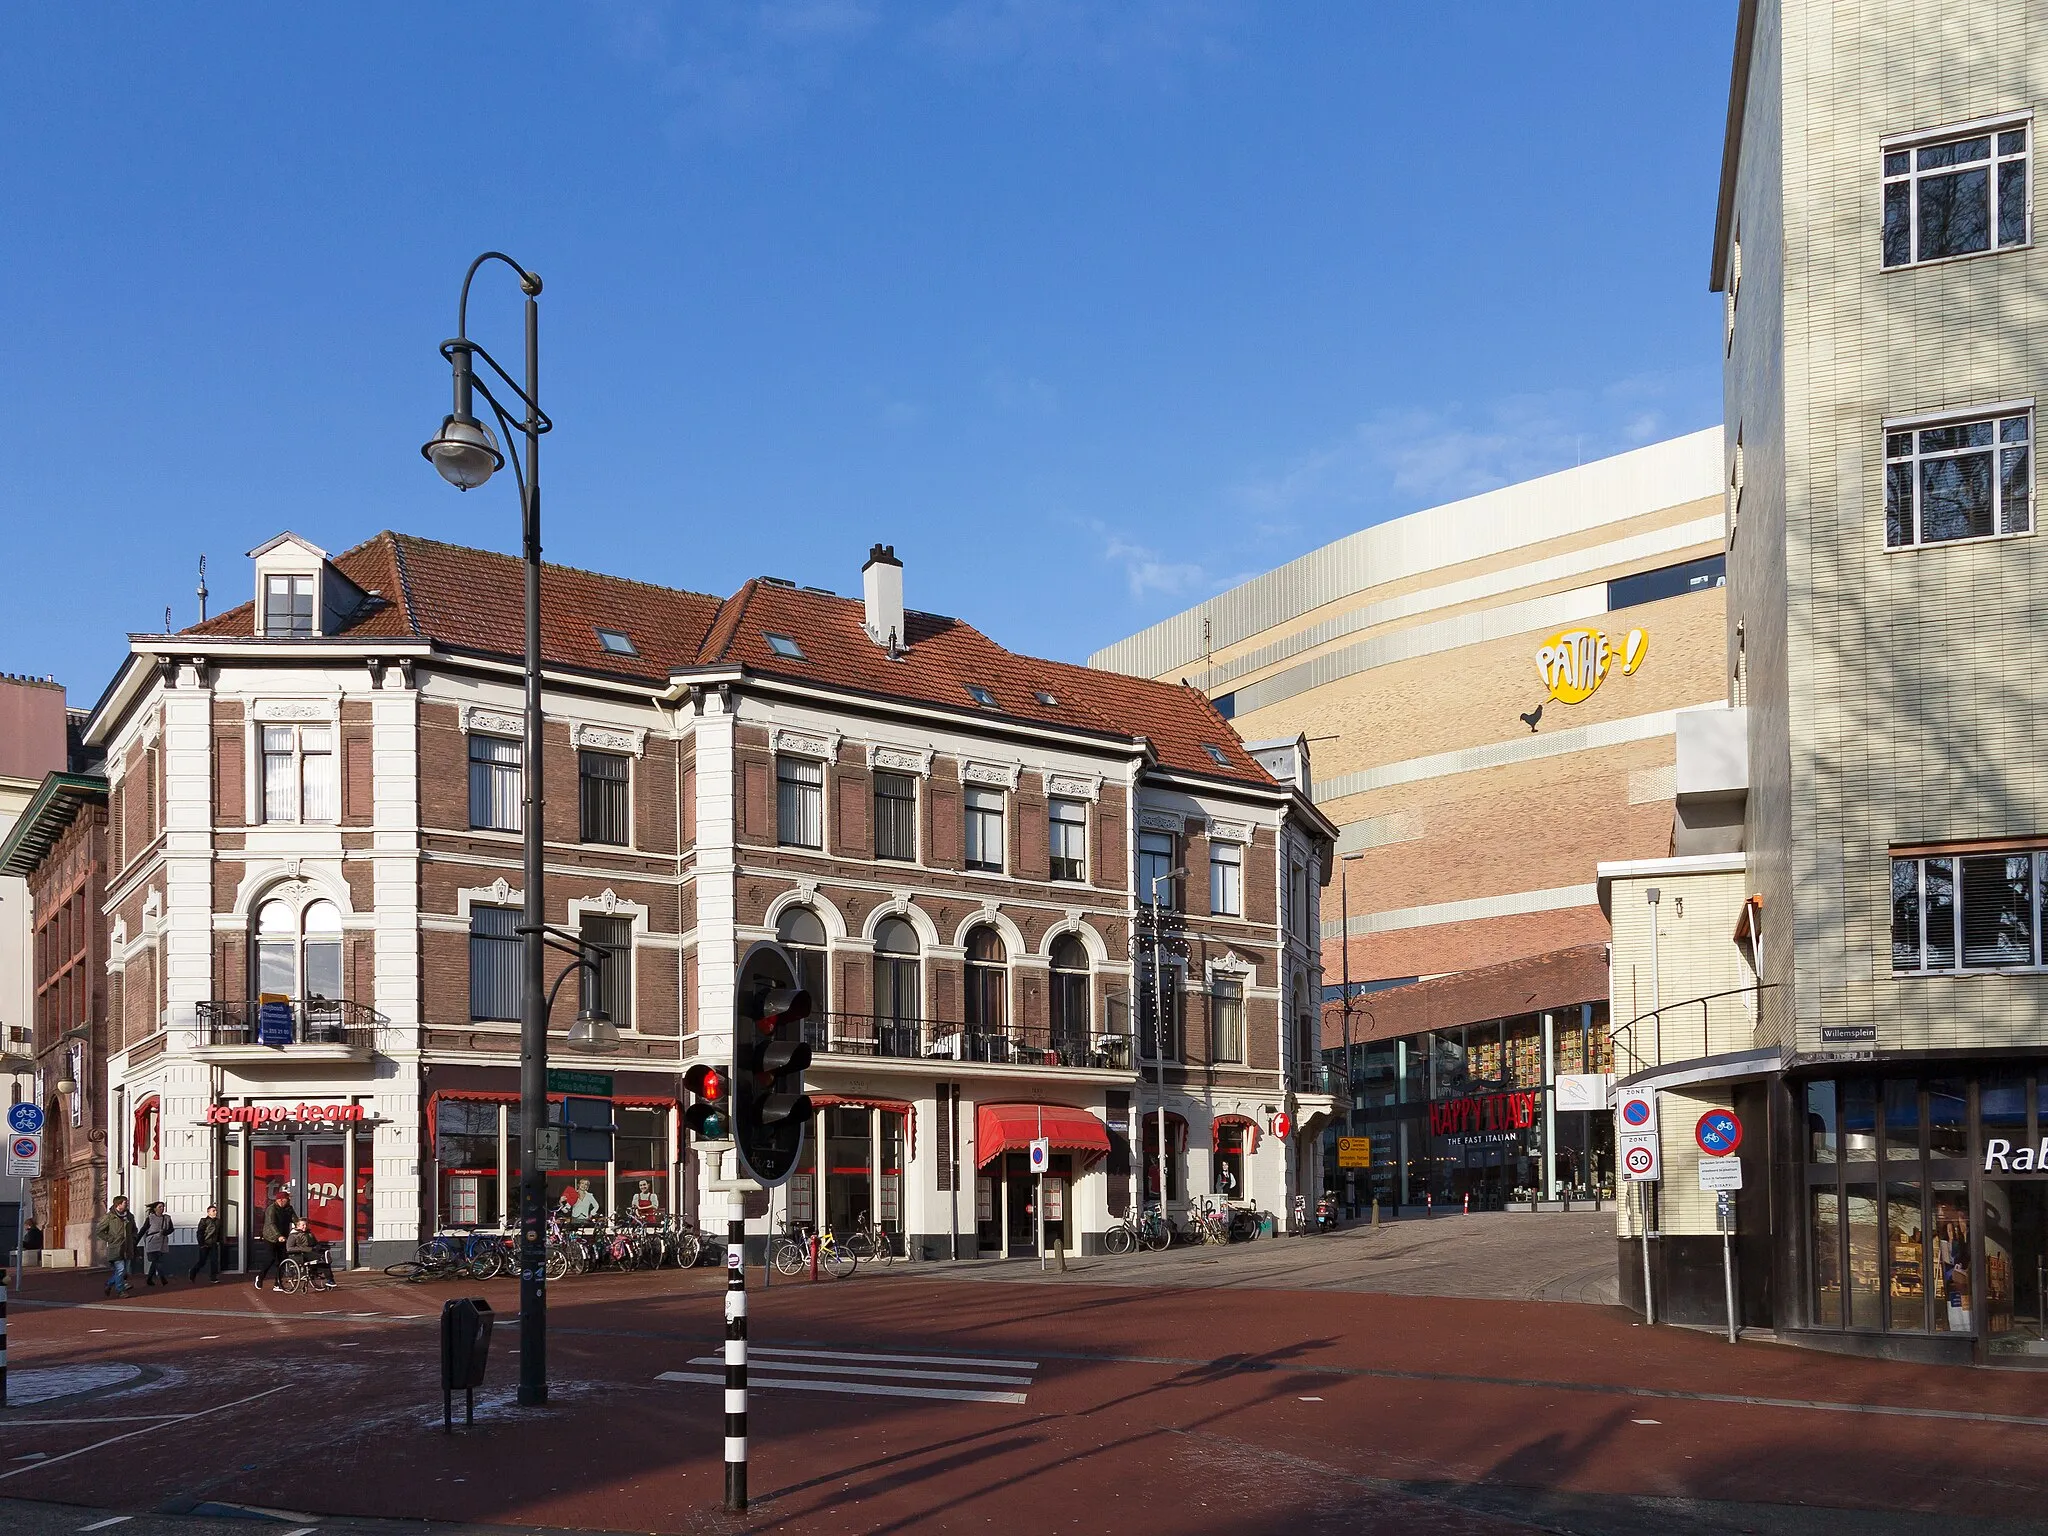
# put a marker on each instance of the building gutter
(1731, 143)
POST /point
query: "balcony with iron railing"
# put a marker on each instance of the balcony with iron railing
(322, 1029)
(1718, 1025)
(875, 1037)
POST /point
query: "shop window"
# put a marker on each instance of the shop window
(1484, 1062)
(889, 1176)
(1229, 1162)
(1599, 1041)
(802, 933)
(848, 1153)
(1447, 1068)
(1901, 1119)
(640, 1158)
(608, 989)
(1952, 1258)
(1859, 1120)
(1906, 1259)
(1176, 1158)
(1822, 1123)
(1948, 1118)
(466, 1151)
(2002, 1106)
(1859, 1208)
(1827, 1259)
(1524, 1053)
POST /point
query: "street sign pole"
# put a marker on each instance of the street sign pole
(1649, 1302)
(1724, 1204)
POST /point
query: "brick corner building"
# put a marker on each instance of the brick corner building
(315, 809)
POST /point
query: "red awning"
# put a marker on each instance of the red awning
(145, 1142)
(1000, 1128)
(1251, 1131)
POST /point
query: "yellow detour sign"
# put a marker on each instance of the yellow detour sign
(1354, 1151)
(1575, 662)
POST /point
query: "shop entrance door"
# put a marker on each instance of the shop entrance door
(313, 1172)
(1020, 1190)
(2015, 1270)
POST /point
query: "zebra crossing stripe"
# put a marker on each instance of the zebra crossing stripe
(759, 1366)
(999, 1363)
(854, 1388)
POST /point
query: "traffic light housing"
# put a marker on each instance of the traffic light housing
(771, 1112)
(709, 1115)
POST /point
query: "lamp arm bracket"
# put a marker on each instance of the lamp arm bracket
(529, 284)
(537, 420)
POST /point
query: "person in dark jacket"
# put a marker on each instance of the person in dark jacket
(209, 1234)
(278, 1221)
(116, 1232)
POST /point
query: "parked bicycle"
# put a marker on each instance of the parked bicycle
(1147, 1230)
(790, 1252)
(872, 1243)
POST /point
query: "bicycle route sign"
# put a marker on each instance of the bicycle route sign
(24, 1118)
(1719, 1132)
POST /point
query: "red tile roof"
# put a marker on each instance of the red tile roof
(474, 600)
(1532, 984)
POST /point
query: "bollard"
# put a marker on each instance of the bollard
(736, 1353)
(1375, 1210)
(3, 1346)
(1468, 1202)
(1428, 1203)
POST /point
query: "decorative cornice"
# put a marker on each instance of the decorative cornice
(1074, 786)
(1230, 831)
(917, 760)
(609, 738)
(996, 775)
(292, 709)
(1162, 821)
(493, 722)
(807, 744)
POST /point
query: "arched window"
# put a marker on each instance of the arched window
(988, 983)
(1071, 1013)
(899, 992)
(803, 935)
(300, 956)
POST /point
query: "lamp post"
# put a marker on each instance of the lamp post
(1178, 872)
(466, 454)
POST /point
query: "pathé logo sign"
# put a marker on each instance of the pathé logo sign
(1574, 662)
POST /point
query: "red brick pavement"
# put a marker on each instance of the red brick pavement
(1149, 1410)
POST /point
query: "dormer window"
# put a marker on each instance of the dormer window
(288, 605)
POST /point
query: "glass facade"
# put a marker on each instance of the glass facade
(1927, 1207)
(1470, 1112)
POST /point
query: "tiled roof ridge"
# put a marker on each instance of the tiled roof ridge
(1480, 975)
(716, 647)
(402, 539)
(412, 621)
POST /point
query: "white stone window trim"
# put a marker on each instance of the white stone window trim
(608, 903)
(821, 746)
(489, 720)
(803, 894)
(1230, 832)
(986, 774)
(1163, 821)
(500, 893)
(897, 759)
(628, 740)
(1073, 786)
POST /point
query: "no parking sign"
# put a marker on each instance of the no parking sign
(1635, 1133)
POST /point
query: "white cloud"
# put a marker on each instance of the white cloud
(1146, 571)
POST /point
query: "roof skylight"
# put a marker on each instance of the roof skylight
(1216, 755)
(617, 641)
(980, 695)
(1044, 698)
(782, 645)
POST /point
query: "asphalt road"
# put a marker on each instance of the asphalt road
(918, 1403)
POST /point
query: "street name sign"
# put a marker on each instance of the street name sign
(1721, 1173)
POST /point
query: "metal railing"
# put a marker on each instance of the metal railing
(1669, 1033)
(309, 1021)
(872, 1035)
(1321, 1077)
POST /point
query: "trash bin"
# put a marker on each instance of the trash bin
(465, 1350)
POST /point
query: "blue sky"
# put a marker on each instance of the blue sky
(1089, 309)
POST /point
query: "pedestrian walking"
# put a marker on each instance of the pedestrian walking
(278, 1220)
(116, 1232)
(156, 1244)
(209, 1235)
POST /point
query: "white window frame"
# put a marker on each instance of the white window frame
(875, 799)
(296, 757)
(512, 813)
(292, 581)
(1226, 856)
(1052, 819)
(2037, 873)
(980, 806)
(1995, 414)
(1910, 143)
(1217, 982)
(1168, 894)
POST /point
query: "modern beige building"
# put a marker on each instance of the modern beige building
(1884, 358)
(1492, 692)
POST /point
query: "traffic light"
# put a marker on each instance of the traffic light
(771, 1112)
(709, 1118)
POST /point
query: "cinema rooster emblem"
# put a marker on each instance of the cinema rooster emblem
(1574, 662)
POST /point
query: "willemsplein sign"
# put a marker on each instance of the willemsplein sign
(1483, 1113)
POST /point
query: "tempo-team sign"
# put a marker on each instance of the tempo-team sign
(279, 1114)
(1574, 662)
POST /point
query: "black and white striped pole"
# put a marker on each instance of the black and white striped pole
(3, 1344)
(736, 1352)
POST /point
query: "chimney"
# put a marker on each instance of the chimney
(881, 588)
